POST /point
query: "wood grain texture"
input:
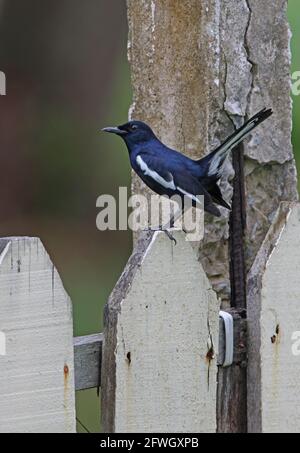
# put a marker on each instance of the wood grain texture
(87, 361)
(274, 315)
(160, 343)
(37, 373)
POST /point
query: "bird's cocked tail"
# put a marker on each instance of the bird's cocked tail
(214, 161)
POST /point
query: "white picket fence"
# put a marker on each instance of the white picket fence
(163, 341)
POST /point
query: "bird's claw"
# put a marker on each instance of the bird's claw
(167, 232)
(170, 236)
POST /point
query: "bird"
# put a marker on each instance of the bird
(168, 172)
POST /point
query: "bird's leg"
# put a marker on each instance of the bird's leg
(162, 228)
(170, 236)
(170, 224)
(173, 219)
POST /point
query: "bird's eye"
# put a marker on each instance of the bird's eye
(134, 127)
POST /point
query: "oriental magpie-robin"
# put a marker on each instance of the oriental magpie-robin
(168, 172)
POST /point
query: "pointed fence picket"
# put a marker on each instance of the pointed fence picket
(159, 370)
(274, 325)
(37, 367)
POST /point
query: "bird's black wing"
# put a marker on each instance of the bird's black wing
(166, 178)
(187, 185)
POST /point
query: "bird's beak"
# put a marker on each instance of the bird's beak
(114, 130)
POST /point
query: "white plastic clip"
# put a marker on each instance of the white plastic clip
(228, 326)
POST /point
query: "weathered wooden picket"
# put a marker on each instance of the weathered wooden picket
(37, 369)
(164, 359)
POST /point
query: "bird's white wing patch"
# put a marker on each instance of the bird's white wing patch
(162, 181)
(154, 175)
(217, 162)
(189, 195)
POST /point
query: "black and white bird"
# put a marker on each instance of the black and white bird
(169, 172)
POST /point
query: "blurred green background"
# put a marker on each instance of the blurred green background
(68, 76)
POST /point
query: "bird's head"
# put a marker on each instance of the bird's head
(133, 132)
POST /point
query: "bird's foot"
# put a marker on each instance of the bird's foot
(170, 236)
(161, 228)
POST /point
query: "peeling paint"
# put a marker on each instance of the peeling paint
(278, 238)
